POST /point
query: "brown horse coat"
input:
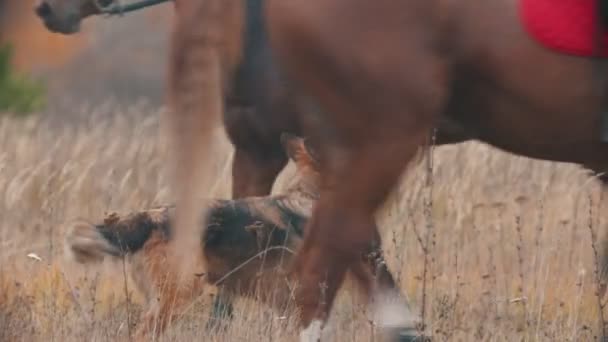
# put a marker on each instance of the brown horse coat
(386, 71)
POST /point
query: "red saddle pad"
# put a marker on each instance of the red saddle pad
(566, 26)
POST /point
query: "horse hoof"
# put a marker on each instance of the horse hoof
(412, 336)
(403, 335)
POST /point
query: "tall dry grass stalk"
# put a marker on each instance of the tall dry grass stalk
(482, 259)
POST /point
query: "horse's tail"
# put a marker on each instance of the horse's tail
(206, 47)
(115, 237)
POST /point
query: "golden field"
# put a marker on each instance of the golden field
(503, 243)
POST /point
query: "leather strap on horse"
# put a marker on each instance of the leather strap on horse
(119, 9)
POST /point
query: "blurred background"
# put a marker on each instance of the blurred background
(117, 59)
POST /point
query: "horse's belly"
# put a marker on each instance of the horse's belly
(530, 127)
(514, 94)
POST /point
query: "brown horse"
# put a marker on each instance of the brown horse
(384, 84)
(387, 70)
(260, 103)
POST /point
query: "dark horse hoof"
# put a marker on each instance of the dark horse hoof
(403, 335)
(412, 338)
(221, 315)
(411, 335)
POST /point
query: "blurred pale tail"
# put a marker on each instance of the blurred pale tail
(205, 44)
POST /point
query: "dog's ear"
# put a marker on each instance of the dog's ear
(111, 219)
(311, 151)
(293, 145)
(298, 150)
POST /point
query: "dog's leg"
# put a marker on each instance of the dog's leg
(147, 329)
(167, 298)
(164, 310)
(221, 311)
(155, 290)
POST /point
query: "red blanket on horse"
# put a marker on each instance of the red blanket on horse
(567, 26)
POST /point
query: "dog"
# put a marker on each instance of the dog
(246, 248)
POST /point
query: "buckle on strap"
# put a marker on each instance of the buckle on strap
(115, 7)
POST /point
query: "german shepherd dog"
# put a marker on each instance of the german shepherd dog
(246, 246)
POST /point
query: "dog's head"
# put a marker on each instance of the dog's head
(307, 177)
(254, 233)
(248, 238)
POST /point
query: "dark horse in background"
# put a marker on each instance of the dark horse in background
(260, 102)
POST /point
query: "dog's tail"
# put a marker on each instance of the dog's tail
(115, 237)
(84, 243)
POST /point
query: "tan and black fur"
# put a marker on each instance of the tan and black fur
(247, 248)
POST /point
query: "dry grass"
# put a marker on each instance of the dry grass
(509, 253)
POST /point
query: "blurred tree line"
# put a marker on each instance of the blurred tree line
(19, 94)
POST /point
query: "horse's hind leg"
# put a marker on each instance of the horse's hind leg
(374, 260)
(373, 274)
(381, 290)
